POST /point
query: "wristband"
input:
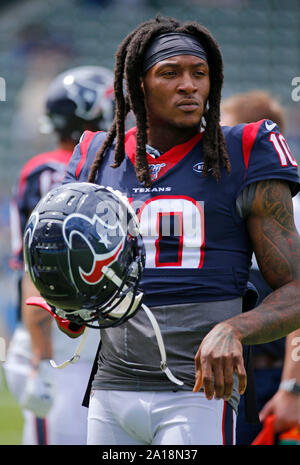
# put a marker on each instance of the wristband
(290, 385)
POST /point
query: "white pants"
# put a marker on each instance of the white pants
(159, 418)
(66, 423)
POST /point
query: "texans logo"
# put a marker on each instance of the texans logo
(107, 239)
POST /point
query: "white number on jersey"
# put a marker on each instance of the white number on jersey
(176, 219)
(282, 149)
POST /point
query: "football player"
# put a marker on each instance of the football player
(78, 99)
(206, 197)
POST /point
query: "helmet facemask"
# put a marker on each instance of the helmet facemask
(122, 305)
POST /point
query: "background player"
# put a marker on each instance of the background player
(271, 363)
(78, 99)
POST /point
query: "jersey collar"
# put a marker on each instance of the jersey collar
(166, 161)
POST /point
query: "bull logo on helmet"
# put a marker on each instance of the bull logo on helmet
(104, 240)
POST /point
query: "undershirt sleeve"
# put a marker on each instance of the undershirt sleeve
(245, 199)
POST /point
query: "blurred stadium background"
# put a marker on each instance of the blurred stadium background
(260, 42)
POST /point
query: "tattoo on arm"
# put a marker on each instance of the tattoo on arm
(274, 236)
(276, 244)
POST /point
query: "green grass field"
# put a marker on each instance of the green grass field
(11, 420)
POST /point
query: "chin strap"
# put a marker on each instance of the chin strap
(76, 356)
(110, 274)
(40, 302)
(161, 346)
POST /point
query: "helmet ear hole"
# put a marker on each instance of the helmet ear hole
(80, 255)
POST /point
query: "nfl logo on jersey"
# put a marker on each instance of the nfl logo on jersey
(155, 169)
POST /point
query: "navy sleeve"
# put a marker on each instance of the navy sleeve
(70, 174)
(83, 156)
(25, 198)
(267, 155)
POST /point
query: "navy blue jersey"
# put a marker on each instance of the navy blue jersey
(40, 174)
(197, 245)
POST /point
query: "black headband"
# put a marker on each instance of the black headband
(172, 44)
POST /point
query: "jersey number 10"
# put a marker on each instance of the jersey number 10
(282, 149)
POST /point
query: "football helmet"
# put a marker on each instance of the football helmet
(85, 255)
(78, 99)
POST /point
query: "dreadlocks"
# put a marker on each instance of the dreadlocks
(128, 66)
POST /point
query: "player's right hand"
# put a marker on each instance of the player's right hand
(220, 355)
(39, 391)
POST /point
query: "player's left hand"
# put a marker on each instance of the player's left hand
(219, 355)
(39, 390)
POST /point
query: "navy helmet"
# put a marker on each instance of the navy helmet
(85, 255)
(78, 99)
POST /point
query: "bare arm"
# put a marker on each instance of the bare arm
(38, 323)
(276, 244)
(285, 405)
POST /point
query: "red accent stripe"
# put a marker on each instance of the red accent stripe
(45, 432)
(61, 156)
(227, 425)
(109, 91)
(84, 146)
(15, 264)
(170, 158)
(249, 135)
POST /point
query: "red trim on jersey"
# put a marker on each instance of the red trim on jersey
(109, 92)
(84, 146)
(227, 425)
(168, 159)
(15, 264)
(249, 135)
(58, 155)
